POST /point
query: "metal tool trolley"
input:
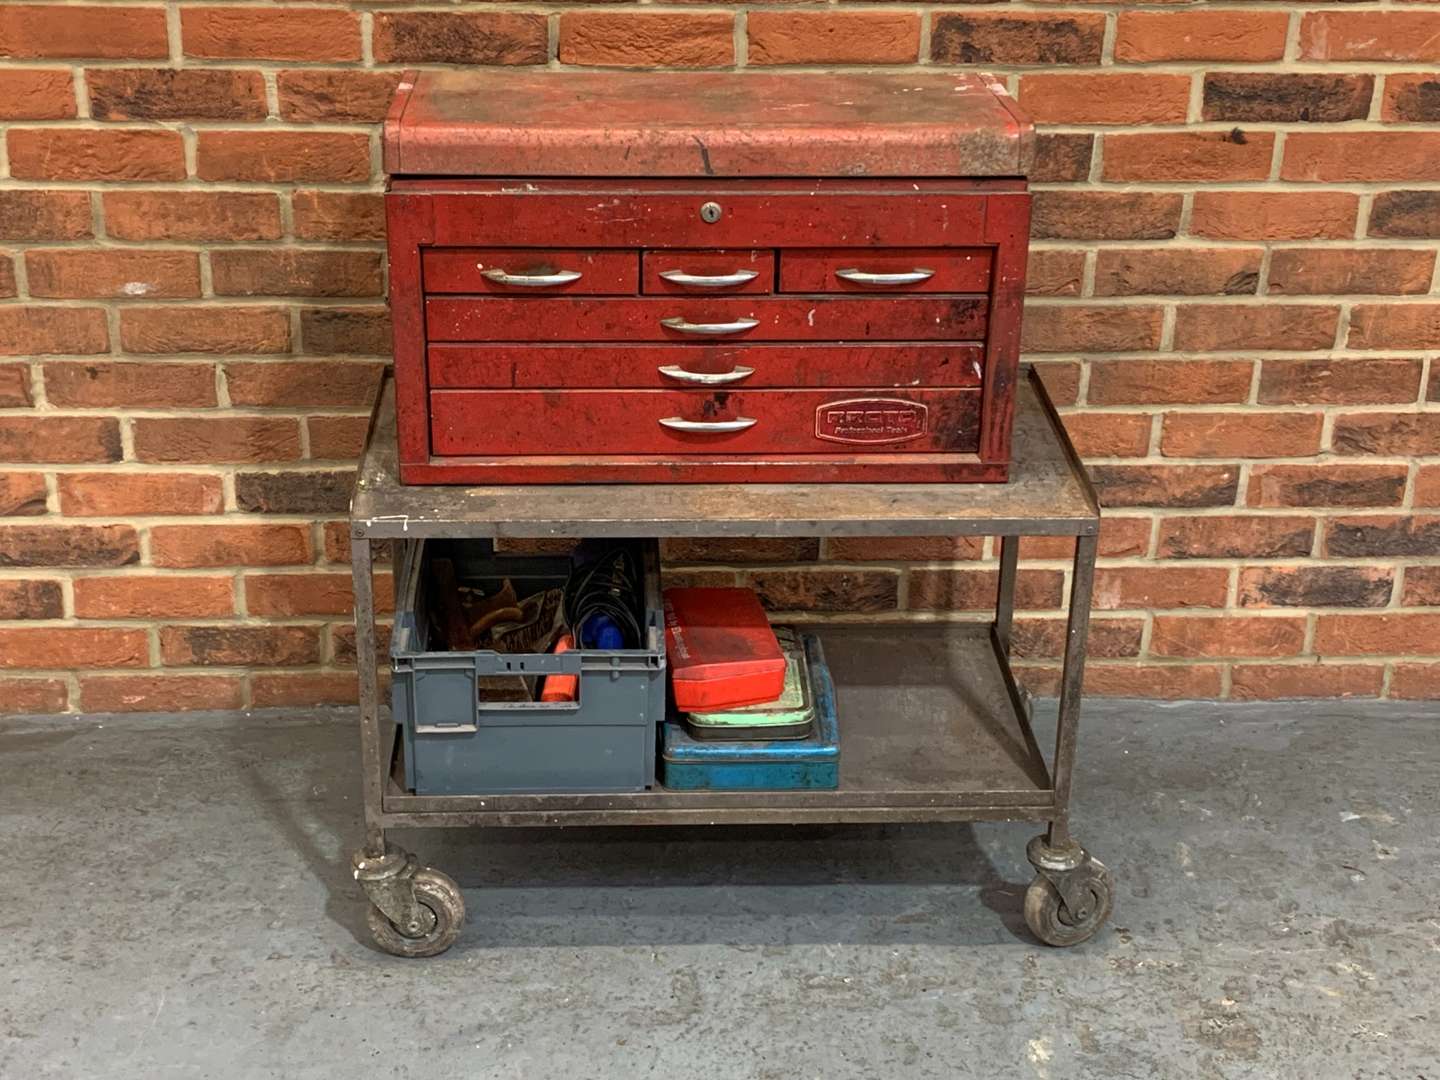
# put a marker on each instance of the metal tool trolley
(933, 725)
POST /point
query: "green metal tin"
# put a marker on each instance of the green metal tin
(790, 716)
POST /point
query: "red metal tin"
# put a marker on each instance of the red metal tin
(721, 650)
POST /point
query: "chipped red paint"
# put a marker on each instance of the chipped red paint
(564, 277)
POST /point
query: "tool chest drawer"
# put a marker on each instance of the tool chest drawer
(629, 322)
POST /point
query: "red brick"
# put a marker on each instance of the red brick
(1378, 534)
(1069, 328)
(1061, 157)
(1228, 327)
(1016, 37)
(1054, 273)
(1240, 434)
(176, 94)
(740, 550)
(1105, 215)
(1392, 434)
(1427, 486)
(335, 97)
(904, 548)
(50, 330)
(68, 545)
(1223, 34)
(15, 389)
(116, 494)
(1394, 326)
(1415, 682)
(1422, 587)
(354, 331)
(1189, 155)
(1315, 586)
(61, 440)
(1348, 381)
(1411, 98)
(305, 383)
(294, 491)
(31, 600)
(975, 590)
(72, 647)
(21, 696)
(1377, 635)
(85, 154)
(1166, 485)
(204, 329)
(292, 272)
(220, 33)
(336, 438)
(239, 646)
(1235, 537)
(74, 273)
(1253, 97)
(153, 596)
(1105, 99)
(826, 590)
(1350, 156)
(1182, 272)
(1326, 484)
(1349, 270)
(22, 494)
(158, 693)
(192, 215)
(611, 39)
(225, 439)
(1169, 682)
(1269, 682)
(1142, 587)
(834, 37)
(36, 93)
(1109, 434)
(1396, 213)
(1110, 638)
(44, 215)
(1370, 35)
(446, 37)
(283, 156)
(1169, 382)
(93, 384)
(298, 690)
(1120, 538)
(1229, 635)
(1274, 215)
(338, 215)
(1061, 379)
(28, 31)
(302, 594)
(229, 545)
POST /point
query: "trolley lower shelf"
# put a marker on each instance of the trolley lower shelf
(932, 729)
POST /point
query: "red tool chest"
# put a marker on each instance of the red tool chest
(705, 277)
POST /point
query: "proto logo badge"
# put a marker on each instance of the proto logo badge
(871, 420)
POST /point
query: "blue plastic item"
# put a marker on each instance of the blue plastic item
(600, 632)
(811, 763)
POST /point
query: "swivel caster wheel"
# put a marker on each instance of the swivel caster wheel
(414, 911)
(1072, 894)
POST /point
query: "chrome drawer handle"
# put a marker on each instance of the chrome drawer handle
(709, 281)
(531, 281)
(678, 323)
(705, 378)
(905, 277)
(707, 427)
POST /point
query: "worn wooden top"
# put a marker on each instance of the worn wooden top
(1048, 493)
(502, 123)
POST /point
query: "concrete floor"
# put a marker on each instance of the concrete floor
(175, 900)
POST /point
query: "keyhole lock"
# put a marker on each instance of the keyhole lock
(710, 213)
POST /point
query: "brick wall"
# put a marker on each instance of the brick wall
(1234, 293)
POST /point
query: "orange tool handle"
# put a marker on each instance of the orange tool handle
(561, 687)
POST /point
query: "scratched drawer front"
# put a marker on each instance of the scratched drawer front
(513, 422)
(885, 270)
(901, 318)
(484, 270)
(676, 366)
(707, 273)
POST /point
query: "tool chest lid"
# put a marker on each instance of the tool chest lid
(704, 124)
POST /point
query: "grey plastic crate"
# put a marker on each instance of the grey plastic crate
(457, 744)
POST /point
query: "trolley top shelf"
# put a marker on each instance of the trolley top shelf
(1048, 493)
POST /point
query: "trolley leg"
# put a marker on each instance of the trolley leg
(372, 751)
(1005, 594)
(1073, 893)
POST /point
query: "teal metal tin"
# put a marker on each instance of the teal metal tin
(790, 716)
(810, 763)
